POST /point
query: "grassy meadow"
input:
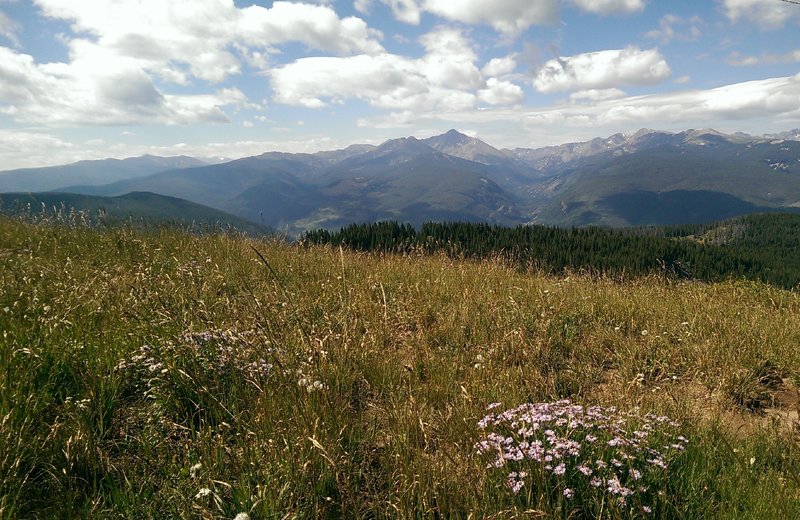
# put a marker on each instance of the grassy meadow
(160, 374)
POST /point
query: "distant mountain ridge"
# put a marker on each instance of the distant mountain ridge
(90, 173)
(649, 177)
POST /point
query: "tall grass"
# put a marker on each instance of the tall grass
(161, 374)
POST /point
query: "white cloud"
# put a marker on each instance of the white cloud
(362, 6)
(500, 66)
(772, 99)
(407, 11)
(445, 78)
(319, 27)
(498, 92)
(118, 49)
(766, 13)
(22, 149)
(9, 29)
(594, 95)
(610, 6)
(179, 38)
(114, 94)
(506, 16)
(673, 27)
(509, 17)
(742, 60)
(602, 69)
(683, 80)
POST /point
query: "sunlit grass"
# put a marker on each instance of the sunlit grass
(161, 374)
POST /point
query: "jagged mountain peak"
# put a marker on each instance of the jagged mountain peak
(403, 144)
(466, 147)
(452, 137)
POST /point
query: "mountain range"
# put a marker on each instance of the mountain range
(646, 178)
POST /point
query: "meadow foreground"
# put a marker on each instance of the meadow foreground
(167, 375)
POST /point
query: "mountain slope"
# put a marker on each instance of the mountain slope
(689, 177)
(90, 173)
(138, 206)
(646, 178)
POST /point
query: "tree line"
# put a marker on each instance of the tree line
(756, 247)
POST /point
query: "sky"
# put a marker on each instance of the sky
(90, 79)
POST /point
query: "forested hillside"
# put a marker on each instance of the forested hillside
(757, 247)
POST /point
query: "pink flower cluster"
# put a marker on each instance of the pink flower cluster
(583, 449)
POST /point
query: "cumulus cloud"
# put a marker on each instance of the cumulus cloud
(509, 17)
(183, 38)
(498, 92)
(766, 13)
(602, 70)
(79, 93)
(610, 6)
(119, 51)
(500, 66)
(446, 78)
(506, 16)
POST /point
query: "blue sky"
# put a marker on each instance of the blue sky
(85, 79)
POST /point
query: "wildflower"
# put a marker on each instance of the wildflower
(617, 441)
(647, 509)
(615, 487)
(515, 481)
(204, 492)
(194, 469)
(242, 516)
(556, 434)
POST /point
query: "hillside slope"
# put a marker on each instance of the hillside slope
(89, 173)
(135, 207)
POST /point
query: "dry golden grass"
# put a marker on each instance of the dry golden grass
(335, 384)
